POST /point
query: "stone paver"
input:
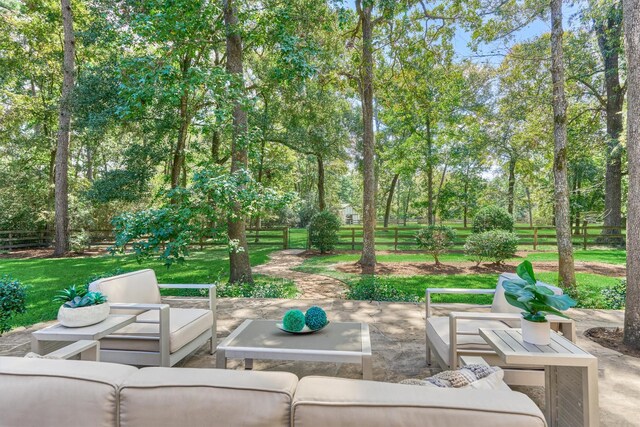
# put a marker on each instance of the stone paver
(397, 339)
(311, 286)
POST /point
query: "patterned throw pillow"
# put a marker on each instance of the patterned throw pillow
(471, 376)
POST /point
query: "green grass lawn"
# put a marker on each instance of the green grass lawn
(45, 277)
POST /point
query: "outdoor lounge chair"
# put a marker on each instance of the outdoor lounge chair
(161, 336)
(447, 348)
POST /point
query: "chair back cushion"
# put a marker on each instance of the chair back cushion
(207, 397)
(500, 304)
(59, 393)
(136, 287)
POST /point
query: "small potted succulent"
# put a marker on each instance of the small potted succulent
(81, 308)
(537, 301)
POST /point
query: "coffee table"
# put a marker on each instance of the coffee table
(59, 333)
(571, 374)
(338, 342)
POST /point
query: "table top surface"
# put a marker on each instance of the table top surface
(338, 337)
(97, 331)
(508, 343)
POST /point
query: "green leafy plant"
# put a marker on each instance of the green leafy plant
(13, 300)
(615, 296)
(369, 288)
(73, 297)
(79, 241)
(536, 301)
(495, 245)
(435, 240)
(323, 231)
(492, 218)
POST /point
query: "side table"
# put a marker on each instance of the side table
(59, 333)
(571, 375)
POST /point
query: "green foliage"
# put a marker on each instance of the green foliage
(323, 231)
(260, 288)
(293, 320)
(79, 241)
(373, 288)
(73, 297)
(496, 245)
(536, 301)
(436, 239)
(122, 185)
(615, 296)
(315, 318)
(13, 300)
(492, 218)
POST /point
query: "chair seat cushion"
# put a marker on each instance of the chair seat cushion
(438, 335)
(185, 325)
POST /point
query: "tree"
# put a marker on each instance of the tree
(566, 271)
(632, 306)
(62, 150)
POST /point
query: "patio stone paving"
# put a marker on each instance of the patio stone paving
(397, 340)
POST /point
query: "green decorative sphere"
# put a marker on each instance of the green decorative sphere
(293, 320)
(315, 318)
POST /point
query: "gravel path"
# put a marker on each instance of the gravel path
(311, 286)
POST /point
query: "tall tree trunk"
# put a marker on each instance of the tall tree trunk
(512, 185)
(321, 200)
(62, 150)
(567, 277)
(465, 208)
(368, 256)
(632, 309)
(240, 267)
(609, 31)
(387, 210)
(429, 175)
(529, 206)
(185, 121)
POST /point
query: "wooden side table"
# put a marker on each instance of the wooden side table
(571, 375)
(62, 334)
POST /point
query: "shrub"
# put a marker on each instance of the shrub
(614, 297)
(371, 289)
(435, 240)
(13, 300)
(323, 231)
(492, 218)
(79, 241)
(496, 245)
(261, 288)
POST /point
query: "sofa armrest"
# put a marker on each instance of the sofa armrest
(87, 349)
(457, 291)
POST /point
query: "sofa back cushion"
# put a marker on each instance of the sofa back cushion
(500, 304)
(135, 287)
(206, 397)
(59, 393)
(334, 402)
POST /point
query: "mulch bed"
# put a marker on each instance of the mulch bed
(466, 267)
(48, 253)
(611, 338)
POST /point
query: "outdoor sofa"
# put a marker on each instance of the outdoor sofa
(62, 393)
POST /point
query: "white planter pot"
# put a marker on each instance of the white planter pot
(83, 316)
(538, 333)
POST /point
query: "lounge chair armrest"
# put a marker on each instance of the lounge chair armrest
(458, 291)
(87, 349)
(187, 286)
(136, 306)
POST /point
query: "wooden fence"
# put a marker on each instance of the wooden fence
(21, 239)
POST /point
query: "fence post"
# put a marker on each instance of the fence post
(584, 234)
(10, 241)
(285, 238)
(353, 239)
(535, 238)
(308, 238)
(395, 240)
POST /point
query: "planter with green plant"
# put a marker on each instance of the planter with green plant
(81, 308)
(537, 301)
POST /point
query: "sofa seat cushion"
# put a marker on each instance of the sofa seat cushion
(185, 325)
(438, 334)
(335, 402)
(207, 397)
(59, 393)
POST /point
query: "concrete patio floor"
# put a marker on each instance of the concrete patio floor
(397, 340)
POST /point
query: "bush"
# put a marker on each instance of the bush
(13, 300)
(79, 241)
(323, 231)
(492, 218)
(614, 297)
(261, 288)
(496, 245)
(435, 240)
(371, 289)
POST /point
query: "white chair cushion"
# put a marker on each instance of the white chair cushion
(137, 287)
(185, 325)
